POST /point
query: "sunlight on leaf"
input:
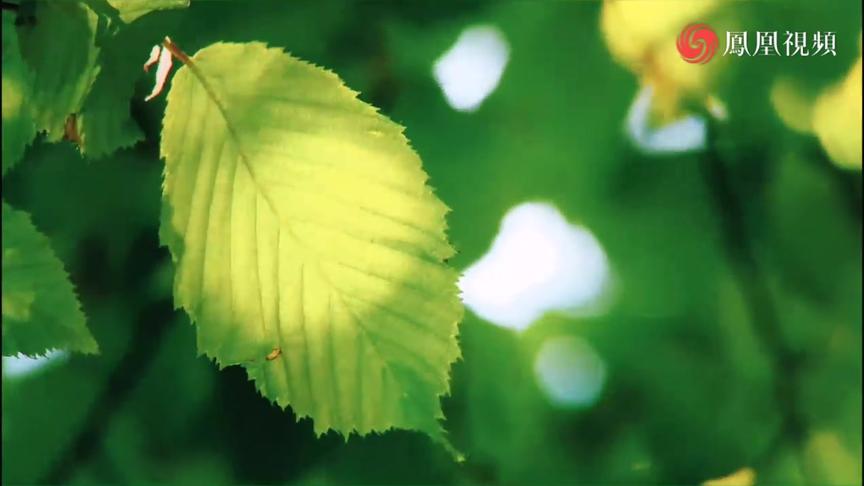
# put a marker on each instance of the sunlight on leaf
(742, 477)
(831, 460)
(299, 219)
(18, 126)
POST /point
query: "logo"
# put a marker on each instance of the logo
(697, 43)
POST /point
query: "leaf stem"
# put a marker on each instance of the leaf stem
(175, 51)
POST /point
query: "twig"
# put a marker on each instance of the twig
(764, 318)
(144, 343)
(175, 51)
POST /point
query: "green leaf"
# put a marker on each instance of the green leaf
(40, 309)
(18, 126)
(130, 10)
(105, 123)
(300, 221)
(60, 49)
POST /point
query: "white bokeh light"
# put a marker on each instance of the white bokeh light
(538, 263)
(685, 135)
(569, 372)
(16, 366)
(470, 70)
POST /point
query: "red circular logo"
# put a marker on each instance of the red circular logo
(697, 43)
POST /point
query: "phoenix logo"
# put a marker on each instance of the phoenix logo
(697, 43)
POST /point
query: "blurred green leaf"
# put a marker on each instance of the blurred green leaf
(60, 48)
(130, 10)
(18, 126)
(105, 123)
(40, 309)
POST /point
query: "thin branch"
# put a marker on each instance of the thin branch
(144, 344)
(764, 317)
(175, 51)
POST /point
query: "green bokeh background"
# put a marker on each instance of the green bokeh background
(691, 391)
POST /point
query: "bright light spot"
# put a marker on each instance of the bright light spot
(717, 108)
(684, 135)
(472, 68)
(569, 372)
(15, 366)
(538, 263)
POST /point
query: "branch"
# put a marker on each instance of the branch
(152, 324)
(764, 317)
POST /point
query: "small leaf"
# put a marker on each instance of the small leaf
(153, 58)
(105, 122)
(61, 51)
(40, 309)
(166, 62)
(300, 221)
(131, 10)
(18, 126)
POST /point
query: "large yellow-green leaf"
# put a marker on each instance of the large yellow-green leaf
(18, 126)
(60, 48)
(40, 309)
(309, 248)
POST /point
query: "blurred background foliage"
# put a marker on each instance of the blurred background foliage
(729, 338)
